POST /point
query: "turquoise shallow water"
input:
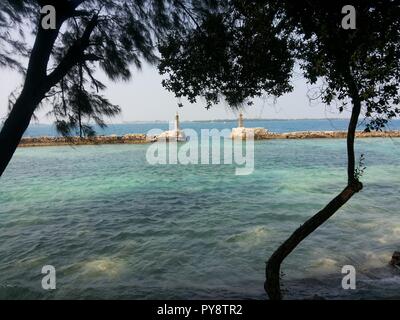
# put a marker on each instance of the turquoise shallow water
(117, 227)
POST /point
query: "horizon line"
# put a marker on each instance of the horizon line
(210, 120)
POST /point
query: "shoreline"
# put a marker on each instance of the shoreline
(143, 139)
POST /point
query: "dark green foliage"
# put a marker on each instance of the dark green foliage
(77, 103)
(361, 64)
(248, 50)
(360, 169)
(237, 54)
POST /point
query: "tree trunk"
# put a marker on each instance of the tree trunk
(272, 272)
(14, 128)
(33, 92)
(38, 82)
(272, 285)
(351, 133)
(79, 102)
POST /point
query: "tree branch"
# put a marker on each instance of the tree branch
(76, 3)
(74, 55)
(91, 57)
(80, 13)
(188, 13)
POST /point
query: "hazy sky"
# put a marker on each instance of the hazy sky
(144, 99)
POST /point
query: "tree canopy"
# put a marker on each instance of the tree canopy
(236, 54)
(251, 49)
(111, 35)
(88, 35)
(363, 62)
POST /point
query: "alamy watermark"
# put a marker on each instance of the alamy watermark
(349, 20)
(49, 17)
(209, 147)
(349, 280)
(49, 280)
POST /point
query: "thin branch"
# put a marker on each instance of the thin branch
(74, 55)
(188, 13)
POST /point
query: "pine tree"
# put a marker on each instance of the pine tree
(89, 34)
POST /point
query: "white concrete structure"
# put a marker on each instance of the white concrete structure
(173, 135)
(243, 133)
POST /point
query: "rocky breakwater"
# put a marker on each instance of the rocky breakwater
(248, 133)
(63, 141)
(238, 133)
(324, 135)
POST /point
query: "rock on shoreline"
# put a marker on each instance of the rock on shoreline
(62, 141)
(395, 262)
(327, 135)
(142, 138)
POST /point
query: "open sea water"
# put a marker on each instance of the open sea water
(117, 227)
(278, 126)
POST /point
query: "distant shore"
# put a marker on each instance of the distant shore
(143, 139)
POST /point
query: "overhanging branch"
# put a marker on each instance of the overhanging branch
(74, 55)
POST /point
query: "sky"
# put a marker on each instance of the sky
(144, 99)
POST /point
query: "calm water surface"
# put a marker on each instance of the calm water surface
(272, 125)
(116, 227)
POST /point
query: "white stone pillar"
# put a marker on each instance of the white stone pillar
(177, 122)
(241, 120)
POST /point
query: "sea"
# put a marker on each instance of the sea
(115, 226)
(278, 126)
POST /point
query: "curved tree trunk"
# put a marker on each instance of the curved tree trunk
(14, 128)
(272, 285)
(272, 272)
(32, 94)
(38, 82)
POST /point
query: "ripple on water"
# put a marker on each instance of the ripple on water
(115, 226)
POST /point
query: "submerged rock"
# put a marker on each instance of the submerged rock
(395, 259)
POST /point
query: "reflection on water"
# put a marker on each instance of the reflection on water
(116, 227)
